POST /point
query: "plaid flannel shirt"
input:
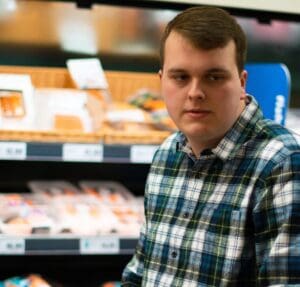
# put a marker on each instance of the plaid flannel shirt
(230, 218)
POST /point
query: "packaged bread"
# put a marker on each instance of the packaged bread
(69, 109)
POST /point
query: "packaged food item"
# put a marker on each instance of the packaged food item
(35, 280)
(125, 209)
(127, 118)
(82, 218)
(155, 106)
(147, 100)
(49, 188)
(68, 110)
(111, 284)
(107, 192)
(27, 221)
(34, 213)
(17, 111)
(96, 208)
(129, 218)
(162, 120)
(32, 280)
(68, 123)
(75, 211)
(58, 107)
(15, 282)
(15, 226)
(12, 104)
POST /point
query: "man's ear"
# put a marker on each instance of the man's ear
(243, 79)
(160, 73)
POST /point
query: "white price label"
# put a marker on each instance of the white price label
(100, 245)
(83, 152)
(12, 246)
(13, 150)
(142, 153)
(87, 73)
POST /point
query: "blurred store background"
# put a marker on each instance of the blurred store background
(42, 33)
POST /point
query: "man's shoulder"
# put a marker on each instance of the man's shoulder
(276, 138)
(274, 131)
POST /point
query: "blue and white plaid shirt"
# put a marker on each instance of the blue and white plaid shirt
(229, 218)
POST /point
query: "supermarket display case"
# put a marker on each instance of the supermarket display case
(78, 260)
(73, 156)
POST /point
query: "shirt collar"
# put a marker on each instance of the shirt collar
(239, 133)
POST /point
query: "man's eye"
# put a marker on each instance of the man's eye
(179, 78)
(215, 78)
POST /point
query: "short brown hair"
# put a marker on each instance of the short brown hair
(208, 28)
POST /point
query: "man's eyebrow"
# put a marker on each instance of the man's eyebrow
(217, 70)
(176, 70)
(208, 71)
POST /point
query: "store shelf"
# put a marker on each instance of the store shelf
(264, 11)
(281, 10)
(76, 152)
(67, 245)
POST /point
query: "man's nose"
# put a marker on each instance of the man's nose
(195, 91)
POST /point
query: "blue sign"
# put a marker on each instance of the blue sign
(270, 84)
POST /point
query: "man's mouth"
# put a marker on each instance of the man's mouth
(197, 113)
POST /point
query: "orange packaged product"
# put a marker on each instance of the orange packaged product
(12, 104)
(35, 280)
(68, 122)
(109, 192)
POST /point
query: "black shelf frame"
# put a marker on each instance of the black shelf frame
(262, 16)
(101, 153)
(66, 245)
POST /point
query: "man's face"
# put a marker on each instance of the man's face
(203, 90)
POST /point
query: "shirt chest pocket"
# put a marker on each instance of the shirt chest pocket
(221, 221)
(219, 240)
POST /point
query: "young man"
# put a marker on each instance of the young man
(222, 200)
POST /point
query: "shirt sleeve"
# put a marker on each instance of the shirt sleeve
(277, 226)
(132, 274)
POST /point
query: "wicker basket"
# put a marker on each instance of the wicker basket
(121, 85)
(43, 77)
(51, 136)
(143, 137)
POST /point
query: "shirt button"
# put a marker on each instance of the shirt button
(186, 215)
(174, 254)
